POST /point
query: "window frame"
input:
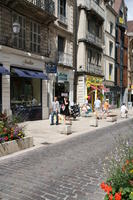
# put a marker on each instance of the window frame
(35, 34)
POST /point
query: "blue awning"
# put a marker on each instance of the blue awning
(4, 71)
(30, 74)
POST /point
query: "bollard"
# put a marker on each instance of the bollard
(66, 129)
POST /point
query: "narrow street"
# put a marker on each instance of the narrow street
(64, 171)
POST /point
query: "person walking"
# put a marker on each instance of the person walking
(124, 111)
(106, 107)
(97, 106)
(54, 111)
(66, 110)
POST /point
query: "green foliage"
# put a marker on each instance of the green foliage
(119, 171)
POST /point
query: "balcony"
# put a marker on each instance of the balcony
(62, 19)
(65, 59)
(94, 39)
(94, 69)
(46, 5)
(42, 9)
(91, 5)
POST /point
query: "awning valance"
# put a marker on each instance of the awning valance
(30, 74)
(4, 71)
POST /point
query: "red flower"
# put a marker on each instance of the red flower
(118, 196)
(127, 162)
(6, 138)
(111, 197)
(102, 186)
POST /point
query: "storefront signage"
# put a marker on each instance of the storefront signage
(96, 81)
(121, 20)
(29, 62)
(62, 77)
(51, 68)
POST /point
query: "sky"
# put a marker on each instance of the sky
(129, 4)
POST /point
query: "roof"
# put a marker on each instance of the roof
(117, 5)
(130, 26)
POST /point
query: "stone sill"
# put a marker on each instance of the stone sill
(15, 145)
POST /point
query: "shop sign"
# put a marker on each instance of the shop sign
(132, 87)
(62, 77)
(96, 81)
(121, 20)
(64, 94)
(51, 68)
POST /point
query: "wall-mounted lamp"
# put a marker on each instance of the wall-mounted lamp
(16, 27)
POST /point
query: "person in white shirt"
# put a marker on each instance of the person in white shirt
(124, 110)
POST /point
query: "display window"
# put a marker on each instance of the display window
(61, 91)
(25, 91)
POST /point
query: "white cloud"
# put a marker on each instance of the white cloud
(129, 4)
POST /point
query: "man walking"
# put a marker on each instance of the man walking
(97, 105)
(54, 111)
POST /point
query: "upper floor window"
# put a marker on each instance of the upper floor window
(61, 44)
(19, 39)
(111, 2)
(89, 55)
(110, 71)
(110, 48)
(62, 7)
(35, 37)
(111, 28)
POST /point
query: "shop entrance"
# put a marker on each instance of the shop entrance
(0, 93)
(61, 91)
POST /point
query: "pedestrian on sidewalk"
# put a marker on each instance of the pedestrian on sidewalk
(54, 111)
(124, 111)
(106, 107)
(97, 105)
(66, 111)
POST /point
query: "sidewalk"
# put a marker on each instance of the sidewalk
(44, 134)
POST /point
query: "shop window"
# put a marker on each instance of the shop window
(25, 92)
(19, 40)
(35, 37)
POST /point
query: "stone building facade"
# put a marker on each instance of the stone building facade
(24, 54)
(109, 52)
(91, 17)
(62, 83)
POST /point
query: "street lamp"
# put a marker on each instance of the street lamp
(16, 27)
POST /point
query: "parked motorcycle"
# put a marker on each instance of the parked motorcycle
(74, 111)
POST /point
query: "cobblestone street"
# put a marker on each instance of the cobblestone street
(64, 171)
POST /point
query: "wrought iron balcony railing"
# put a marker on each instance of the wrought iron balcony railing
(46, 5)
(65, 59)
(94, 69)
(94, 39)
(92, 5)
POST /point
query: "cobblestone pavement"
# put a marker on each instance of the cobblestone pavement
(69, 170)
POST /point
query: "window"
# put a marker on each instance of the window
(110, 71)
(25, 91)
(35, 37)
(110, 48)
(111, 2)
(111, 28)
(62, 7)
(89, 55)
(19, 39)
(61, 44)
(98, 59)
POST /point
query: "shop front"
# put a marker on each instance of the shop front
(26, 93)
(62, 87)
(94, 89)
